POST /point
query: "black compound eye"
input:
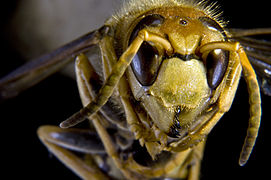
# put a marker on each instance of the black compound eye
(216, 63)
(212, 24)
(146, 62)
(149, 20)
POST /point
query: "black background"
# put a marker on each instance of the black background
(54, 99)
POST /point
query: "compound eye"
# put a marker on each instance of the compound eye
(213, 25)
(146, 62)
(152, 20)
(216, 63)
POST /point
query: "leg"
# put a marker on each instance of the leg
(48, 135)
(83, 75)
(186, 163)
(197, 154)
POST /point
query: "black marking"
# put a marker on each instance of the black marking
(183, 22)
(142, 157)
(174, 130)
(186, 57)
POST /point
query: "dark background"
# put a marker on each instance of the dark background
(56, 98)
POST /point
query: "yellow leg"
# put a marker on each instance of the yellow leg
(77, 165)
(197, 154)
(83, 75)
(190, 167)
(111, 149)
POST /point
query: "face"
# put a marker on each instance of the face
(174, 89)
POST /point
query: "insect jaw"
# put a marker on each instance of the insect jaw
(175, 129)
(187, 120)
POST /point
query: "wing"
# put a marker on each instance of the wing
(38, 69)
(257, 44)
